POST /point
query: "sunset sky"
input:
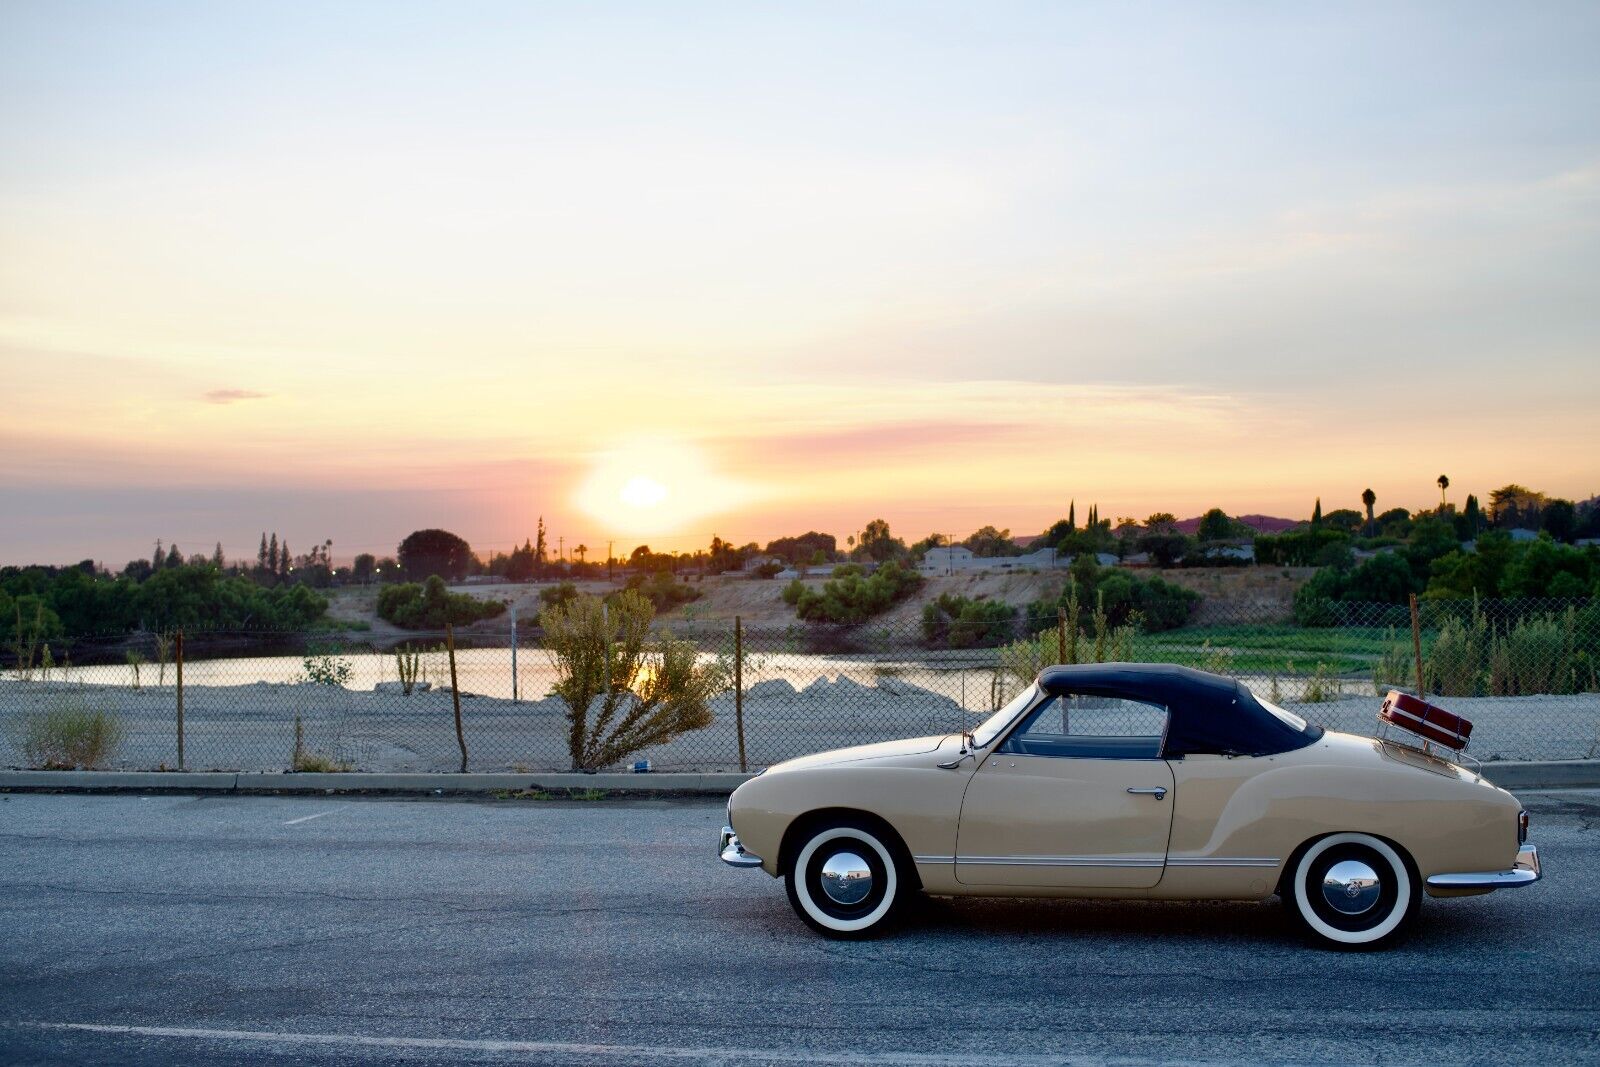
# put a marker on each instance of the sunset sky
(659, 271)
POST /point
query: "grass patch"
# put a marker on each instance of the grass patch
(69, 735)
(317, 763)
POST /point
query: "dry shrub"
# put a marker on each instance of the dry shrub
(69, 735)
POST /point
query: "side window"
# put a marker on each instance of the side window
(1086, 726)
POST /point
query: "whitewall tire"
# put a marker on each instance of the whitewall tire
(1353, 891)
(846, 881)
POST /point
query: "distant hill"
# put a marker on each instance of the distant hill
(1268, 524)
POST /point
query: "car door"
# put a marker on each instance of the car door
(1077, 795)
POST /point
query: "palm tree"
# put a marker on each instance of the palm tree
(1444, 483)
(1369, 498)
(580, 552)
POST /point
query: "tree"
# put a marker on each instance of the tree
(1161, 522)
(1515, 505)
(217, 559)
(1369, 498)
(878, 544)
(1560, 518)
(580, 552)
(623, 692)
(433, 551)
(990, 542)
(158, 560)
(363, 567)
(1316, 515)
(285, 560)
(1474, 516)
(261, 555)
(540, 548)
(1166, 546)
(1345, 520)
(174, 557)
(1444, 483)
(804, 548)
(1216, 526)
(272, 554)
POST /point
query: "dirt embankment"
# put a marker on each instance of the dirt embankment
(1231, 595)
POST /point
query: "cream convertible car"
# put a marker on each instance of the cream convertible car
(1132, 780)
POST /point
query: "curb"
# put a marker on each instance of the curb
(1555, 774)
(359, 782)
(1551, 774)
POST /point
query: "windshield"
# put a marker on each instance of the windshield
(983, 735)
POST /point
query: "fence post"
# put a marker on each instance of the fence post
(455, 693)
(1416, 643)
(1061, 635)
(738, 688)
(178, 653)
(514, 691)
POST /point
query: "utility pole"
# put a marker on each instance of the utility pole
(561, 548)
(609, 544)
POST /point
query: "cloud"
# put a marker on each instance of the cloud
(228, 396)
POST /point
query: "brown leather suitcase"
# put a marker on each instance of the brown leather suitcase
(1426, 720)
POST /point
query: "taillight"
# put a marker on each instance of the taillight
(1522, 828)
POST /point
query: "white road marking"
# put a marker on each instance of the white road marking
(626, 1053)
(308, 818)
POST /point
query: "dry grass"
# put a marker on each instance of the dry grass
(69, 735)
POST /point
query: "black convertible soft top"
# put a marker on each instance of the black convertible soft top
(1207, 712)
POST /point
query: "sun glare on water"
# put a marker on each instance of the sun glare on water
(656, 487)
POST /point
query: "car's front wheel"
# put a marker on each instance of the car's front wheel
(846, 881)
(1353, 891)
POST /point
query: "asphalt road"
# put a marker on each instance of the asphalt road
(331, 931)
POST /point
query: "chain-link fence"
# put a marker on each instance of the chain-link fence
(1524, 672)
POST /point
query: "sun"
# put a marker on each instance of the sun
(642, 492)
(657, 487)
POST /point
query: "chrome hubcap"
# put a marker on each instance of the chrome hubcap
(1351, 887)
(846, 878)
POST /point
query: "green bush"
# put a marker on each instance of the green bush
(430, 606)
(68, 735)
(624, 692)
(1152, 604)
(662, 590)
(556, 595)
(959, 622)
(851, 596)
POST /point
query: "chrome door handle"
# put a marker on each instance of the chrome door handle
(1159, 792)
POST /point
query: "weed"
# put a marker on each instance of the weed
(68, 735)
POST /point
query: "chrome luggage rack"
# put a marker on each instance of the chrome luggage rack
(1431, 749)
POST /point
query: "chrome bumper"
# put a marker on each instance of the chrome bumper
(732, 853)
(1524, 872)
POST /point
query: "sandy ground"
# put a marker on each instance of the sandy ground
(1232, 595)
(252, 727)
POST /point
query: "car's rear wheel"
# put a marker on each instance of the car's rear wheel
(1353, 891)
(846, 881)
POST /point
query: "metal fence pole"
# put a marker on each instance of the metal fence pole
(1061, 635)
(1416, 643)
(178, 650)
(738, 688)
(514, 691)
(455, 693)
